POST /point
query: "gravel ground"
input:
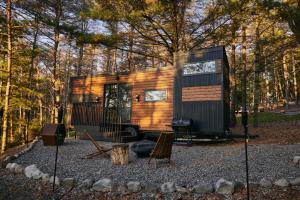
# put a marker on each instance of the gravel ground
(191, 164)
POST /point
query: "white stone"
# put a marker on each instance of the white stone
(69, 182)
(51, 180)
(29, 170)
(295, 181)
(151, 188)
(264, 182)
(12, 167)
(224, 187)
(45, 177)
(86, 184)
(281, 183)
(8, 166)
(18, 169)
(134, 186)
(168, 187)
(37, 174)
(203, 188)
(296, 159)
(122, 189)
(103, 185)
(180, 189)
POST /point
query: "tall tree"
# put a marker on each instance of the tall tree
(8, 81)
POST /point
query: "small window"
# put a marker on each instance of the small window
(155, 95)
(199, 68)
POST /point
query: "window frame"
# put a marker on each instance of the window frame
(215, 72)
(161, 100)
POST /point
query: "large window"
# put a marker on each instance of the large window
(199, 68)
(155, 95)
(117, 102)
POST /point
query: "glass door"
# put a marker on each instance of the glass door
(118, 102)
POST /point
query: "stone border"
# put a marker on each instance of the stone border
(8, 159)
(222, 186)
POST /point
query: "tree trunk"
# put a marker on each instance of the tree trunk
(67, 112)
(295, 79)
(20, 121)
(233, 82)
(31, 70)
(119, 154)
(8, 83)
(286, 80)
(41, 112)
(280, 87)
(11, 135)
(275, 85)
(244, 60)
(56, 97)
(256, 88)
(115, 66)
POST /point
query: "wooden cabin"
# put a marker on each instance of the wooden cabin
(196, 88)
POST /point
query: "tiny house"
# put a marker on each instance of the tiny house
(196, 87)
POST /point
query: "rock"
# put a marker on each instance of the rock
(296, 160)
(11, 166)
(19, 169)
(203, 188)
(295, 181)
(103, 185)
(57, 182)
(224, 187)
(281, 183)
(122, 189)
(45, 178)
(69, 182)
(151, 188)
(239, 185)
(86, 184)
(168, 187)
(29, 170)
(7, 160)
(8, 165)
(264, 182)
(180, 189)
(37, 174)
(134, 186)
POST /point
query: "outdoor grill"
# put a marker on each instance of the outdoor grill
(182, 129)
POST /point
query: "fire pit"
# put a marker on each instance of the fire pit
(143, 148)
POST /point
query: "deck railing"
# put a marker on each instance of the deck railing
(93, 114)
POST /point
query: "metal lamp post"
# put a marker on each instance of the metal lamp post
(244, 110)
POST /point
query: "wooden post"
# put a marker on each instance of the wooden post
(119, 154)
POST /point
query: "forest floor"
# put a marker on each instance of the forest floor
(272, 133)
(282, 133)
(12, 151)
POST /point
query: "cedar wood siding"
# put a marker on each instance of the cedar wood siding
(149, 115)
(202, 93)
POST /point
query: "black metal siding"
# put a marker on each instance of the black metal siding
(209, 117)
